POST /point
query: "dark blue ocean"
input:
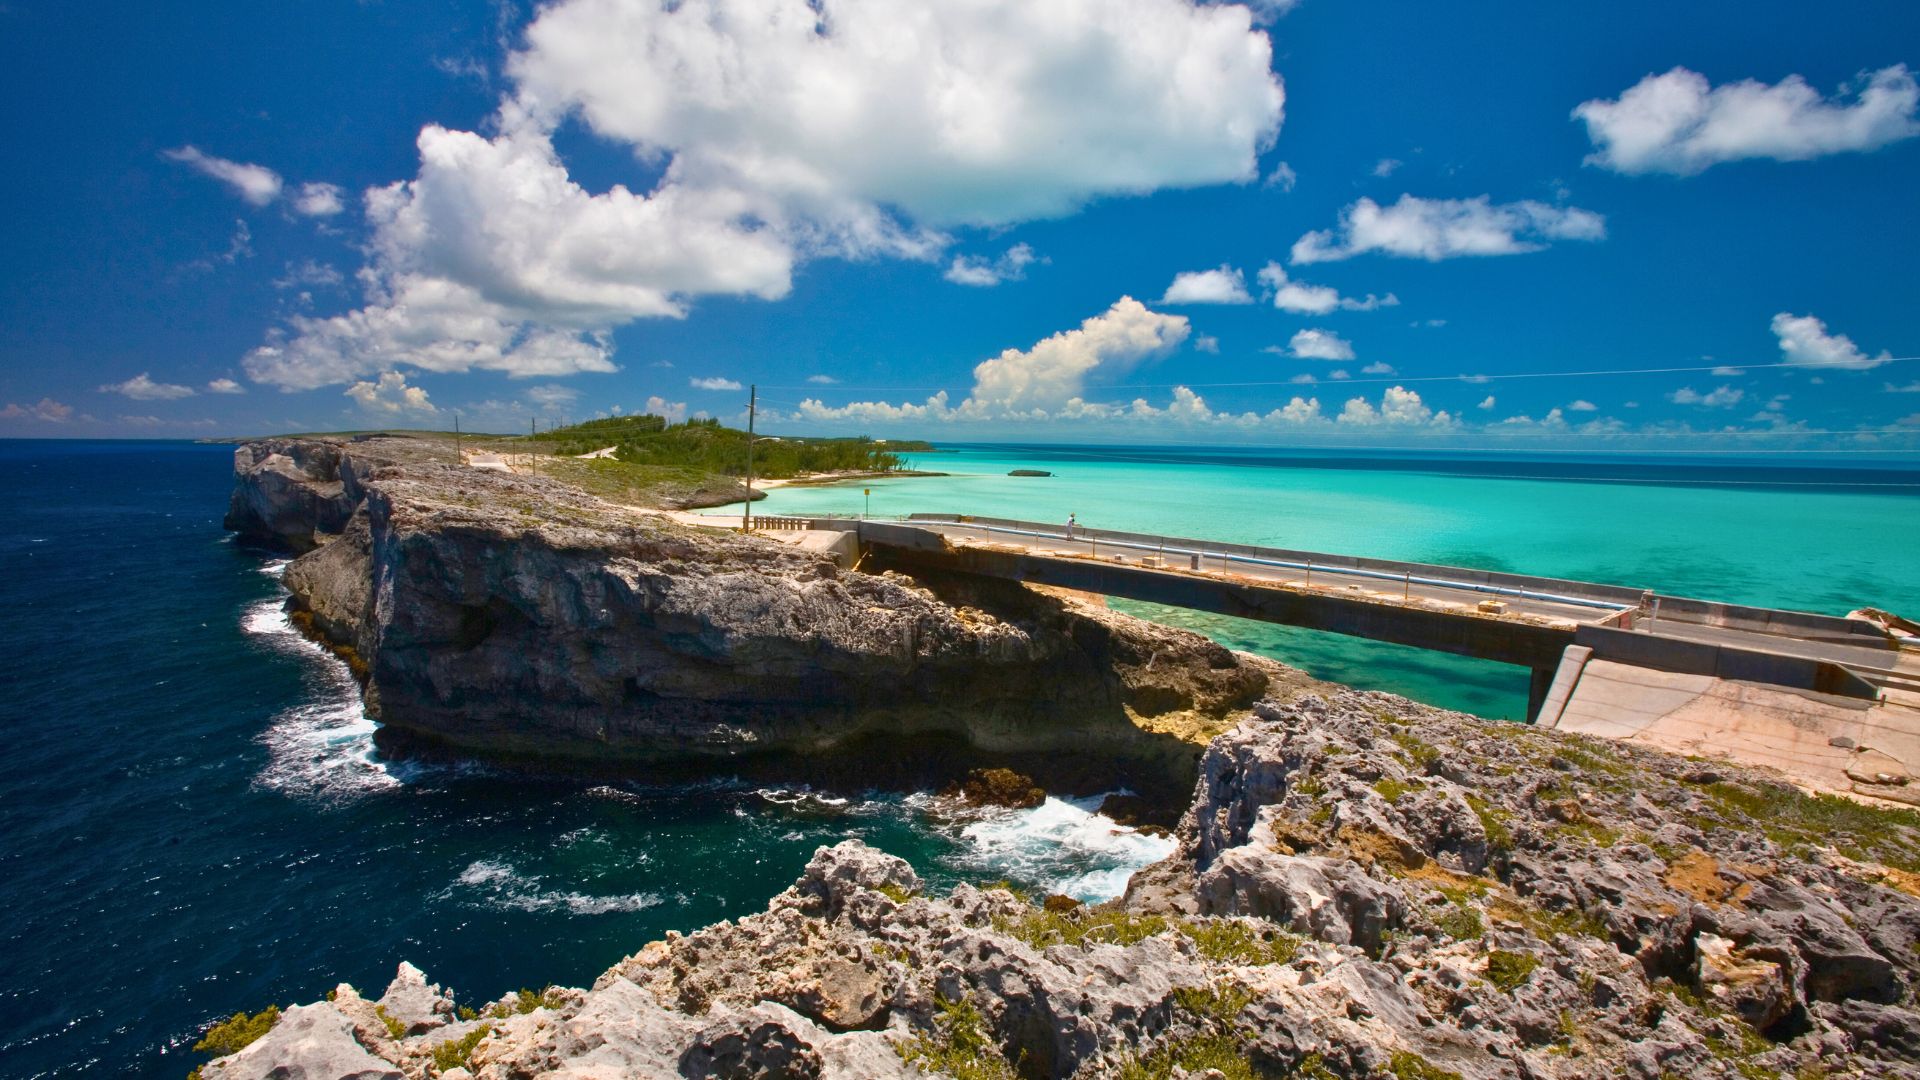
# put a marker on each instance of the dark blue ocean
(192, 821)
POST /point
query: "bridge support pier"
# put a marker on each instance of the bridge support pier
(1537, 688)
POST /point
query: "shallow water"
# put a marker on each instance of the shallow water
(1811, 538)
(195, 819)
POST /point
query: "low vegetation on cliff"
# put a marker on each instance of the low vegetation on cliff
(709, 447)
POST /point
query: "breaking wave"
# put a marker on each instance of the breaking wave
(1064, 846)
(498, 884)
(322, 748)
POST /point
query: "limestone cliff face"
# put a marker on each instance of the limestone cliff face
(289, 491)
(518, 616)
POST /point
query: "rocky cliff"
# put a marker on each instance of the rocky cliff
(520, 616)
(1365, 888)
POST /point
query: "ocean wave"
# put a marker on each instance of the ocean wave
(499, 885)
(1064, 846)
(322, 748)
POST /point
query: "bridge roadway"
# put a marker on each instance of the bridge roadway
(1510, 618)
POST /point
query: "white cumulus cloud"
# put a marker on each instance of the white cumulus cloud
(1723, 397)
(1804, 341)
(1314, 344)
(771, 132)
(255, 184)
(980, 271)
(1046, 380)
(142, 388)
(1303, 299)
(1435, 229)
(390, 396)
(225, 386)
(1224, 285)
(1678, 123)
(318, 199)
(715, 383)
(47, 409)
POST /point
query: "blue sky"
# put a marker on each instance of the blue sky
(1552, 227)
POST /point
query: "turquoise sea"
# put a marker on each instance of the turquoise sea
(193, 820)
(1827, 538)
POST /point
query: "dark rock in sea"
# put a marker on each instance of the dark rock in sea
(1029, 472)
(1329, 913)
(999, 787)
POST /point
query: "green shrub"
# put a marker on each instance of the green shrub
(395, 1029)
(1510, 970)
(1081, 927)
(1460, 922)
(1236, 941)
(237, 1032)
(458, 1053)
(1195, 1054)
(959, 1045)
(1212, 1002)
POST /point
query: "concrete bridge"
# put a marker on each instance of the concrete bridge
(1553, 627)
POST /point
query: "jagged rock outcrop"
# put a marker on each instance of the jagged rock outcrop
(518, 616)
(1365, 888)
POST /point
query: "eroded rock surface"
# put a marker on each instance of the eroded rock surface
(518, 616)
(1365, 888)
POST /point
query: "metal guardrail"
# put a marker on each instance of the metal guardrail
(1310, 567)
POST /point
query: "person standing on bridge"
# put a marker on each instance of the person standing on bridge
(1072, 520)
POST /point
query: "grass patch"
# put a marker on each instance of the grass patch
(1233, 941)
(1510, 970)
(1407, 1065)
(395, 1029)
(1593, 763)
(1391, 789)
(959, 1045)
(1798, 822)
(1213, 1003)
(1195, 1055)
(1081, 928)
(1494, 822)
(1591, 831)
(458, 1053)
(1418, 750)
(896, 893)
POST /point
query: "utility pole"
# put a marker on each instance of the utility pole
(746, 515)
(533, 429)
(457, 459)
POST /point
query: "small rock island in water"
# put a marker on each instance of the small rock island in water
(1363, 886)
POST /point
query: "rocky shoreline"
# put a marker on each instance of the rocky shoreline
(1363, 887)
(519, 617)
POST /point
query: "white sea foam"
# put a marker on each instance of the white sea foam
(499, 885)
(322, 748)
(1063, 845)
